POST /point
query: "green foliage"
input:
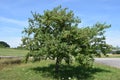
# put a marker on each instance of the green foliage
(116, 50)
(56, 35)
(4, 44)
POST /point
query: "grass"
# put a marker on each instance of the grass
(44, 70)
(111, 56)
(9, 62)
(114, 56)
(23, 72)
(109, 73)
(15, 69)
(12, 52)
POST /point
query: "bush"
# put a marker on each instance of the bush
(118, 52)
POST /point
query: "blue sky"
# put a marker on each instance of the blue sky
(14, 15)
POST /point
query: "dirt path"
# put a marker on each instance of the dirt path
(114, 62)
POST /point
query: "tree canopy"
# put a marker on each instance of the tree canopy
(56, 35)
(4, 44)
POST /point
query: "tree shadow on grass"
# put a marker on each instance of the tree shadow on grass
(68, 72)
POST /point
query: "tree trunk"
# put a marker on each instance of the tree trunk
(57, 65)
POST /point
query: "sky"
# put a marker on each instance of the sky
(14, 16)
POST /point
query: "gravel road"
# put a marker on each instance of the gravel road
(114, 62)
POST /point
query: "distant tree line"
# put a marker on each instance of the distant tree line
(116, 50)
(4, 45)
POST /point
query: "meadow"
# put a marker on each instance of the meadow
(44, 70)
(12, 52)
(15, 69)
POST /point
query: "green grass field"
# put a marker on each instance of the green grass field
(44, 71)
(12, 52)
(13, 69)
